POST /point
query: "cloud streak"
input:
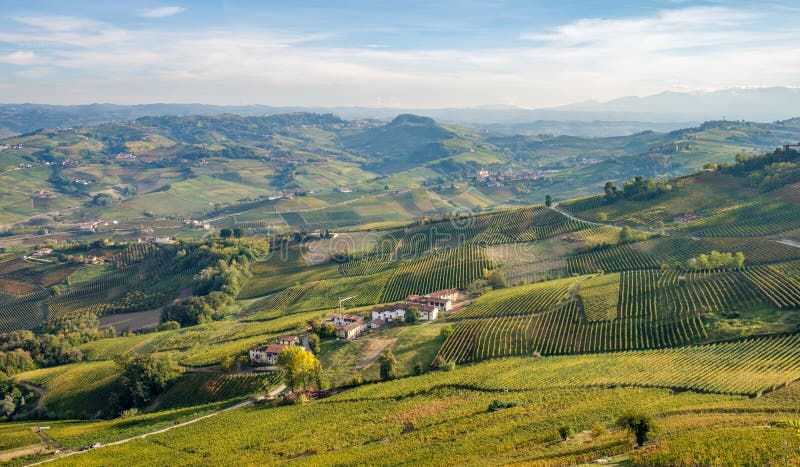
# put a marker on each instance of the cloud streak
(161, 12)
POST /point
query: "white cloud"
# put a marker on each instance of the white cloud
(161, 12)
(56, 23)
(35, 72)
(19, 57)
(62, 30)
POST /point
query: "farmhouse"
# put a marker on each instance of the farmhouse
(343, 319)
(431, 299)
(352, 330)
(43, 252)
(288, 340)
(377, 323)
(266, 354)
(389, 313)
(429, 306)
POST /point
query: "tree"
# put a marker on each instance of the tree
(227, 363)
(238, 232)
(313, 342)
(496, 280)
(387, 365)
(147, 375)
(299, 366)
(610, 191)
(564, 431)
(738, 259)
(548, 200)
(413, 315)
(637, 423)
(225, 233)
(446, 331)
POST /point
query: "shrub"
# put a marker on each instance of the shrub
(598, 430)
(499, 405)
(446, 331)
(637, 423)
(564, 432)
(169, 326)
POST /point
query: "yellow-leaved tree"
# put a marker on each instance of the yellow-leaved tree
(299, 365)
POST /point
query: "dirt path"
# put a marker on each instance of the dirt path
(270, 395)
(23, 451)
(784, 241)
(373, 350)
(570, 216)
(39, 393)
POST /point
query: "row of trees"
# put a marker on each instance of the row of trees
(717, 260)
(637, 189)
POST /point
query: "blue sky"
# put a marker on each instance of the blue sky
(400, 54)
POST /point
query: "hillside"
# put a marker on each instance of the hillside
(310, 171)
(676, 297)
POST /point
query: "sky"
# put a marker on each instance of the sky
(407, 54)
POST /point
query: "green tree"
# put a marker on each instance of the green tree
(387, 365)
(738, 260)
(227, 364)
(638, 424)
(496, 280)
(413, 315)
(564, 432)
(225, 233)
(446, 331)
(147, 375)
(238, 232)
(299, 366)
(548, 200)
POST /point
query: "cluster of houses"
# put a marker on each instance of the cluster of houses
(268, 354)
(350, 326)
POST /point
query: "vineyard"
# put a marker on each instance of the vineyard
(614, 258)
(564, 330)
(199, 388)
(80, 390)
(22, 312)
(774, 284)
(748, 220)
(600, 296)
(534, 298)
(444, 269)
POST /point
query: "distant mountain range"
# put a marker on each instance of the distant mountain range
(627, 115)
